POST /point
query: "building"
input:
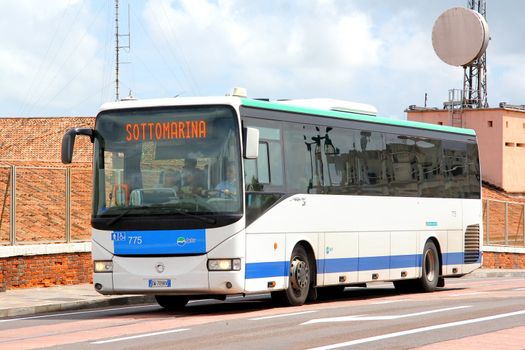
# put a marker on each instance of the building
(501, 138)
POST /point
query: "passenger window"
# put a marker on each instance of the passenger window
(454, 169)
(430, 178)
(473, 171)
(372, 163)
(276, 163)
(298, 155)
(401, 165)
(263, 169)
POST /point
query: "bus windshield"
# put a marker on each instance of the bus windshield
(169, 161)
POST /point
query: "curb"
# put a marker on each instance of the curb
(77, 305)
(490, 273)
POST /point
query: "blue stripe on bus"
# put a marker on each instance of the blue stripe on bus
(267, 269)
(280, 268)
(338, 265)
(401, 261)
(453, 258)
(374, 263)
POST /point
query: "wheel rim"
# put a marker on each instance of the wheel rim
(299, 274)
(430, 265)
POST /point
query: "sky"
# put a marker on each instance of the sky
(57, 57)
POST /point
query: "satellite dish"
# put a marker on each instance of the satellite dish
(460, 36)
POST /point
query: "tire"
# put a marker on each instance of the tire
(172, 302)
(429, 275)
(430, 269)
(300, 279)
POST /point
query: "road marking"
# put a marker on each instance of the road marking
(418, 330)
(519, 289)
(390, 301)
(379, 318)
(281, 315)
(140, 336)
(76, 313)
(466, 294)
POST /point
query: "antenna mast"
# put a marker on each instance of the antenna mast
(475, 74)
(117, 49)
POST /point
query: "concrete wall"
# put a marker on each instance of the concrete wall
(513, 125)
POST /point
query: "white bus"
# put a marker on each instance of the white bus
(215, 196)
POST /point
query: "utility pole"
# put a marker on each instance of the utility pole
(475, 74)
(117, 49)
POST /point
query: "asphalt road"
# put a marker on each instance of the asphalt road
(467, 313)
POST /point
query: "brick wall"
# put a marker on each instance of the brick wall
(45, 270)
(503, 260)
(32, 145)
(38, 139)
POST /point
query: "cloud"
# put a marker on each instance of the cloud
(302, 47)
(48, 57)
(60, 61)
(506, 79)
(380, 55)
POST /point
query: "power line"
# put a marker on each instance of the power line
(40, 72)
(185, 61)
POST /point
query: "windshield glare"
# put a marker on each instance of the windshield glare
(168, 161)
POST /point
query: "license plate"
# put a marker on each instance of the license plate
(159, 283)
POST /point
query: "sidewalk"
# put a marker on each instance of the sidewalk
(30, 301)
(23, 302)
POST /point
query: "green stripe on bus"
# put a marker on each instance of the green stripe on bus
(353, 116)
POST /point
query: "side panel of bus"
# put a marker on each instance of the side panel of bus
(354, 239)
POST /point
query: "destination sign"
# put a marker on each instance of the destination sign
(155, 131)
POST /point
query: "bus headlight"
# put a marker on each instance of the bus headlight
(103, 266)
(224, 264)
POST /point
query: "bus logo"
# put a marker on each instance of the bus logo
(182, 241)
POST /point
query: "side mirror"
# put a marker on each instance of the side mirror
(68, 142)
(251, 143)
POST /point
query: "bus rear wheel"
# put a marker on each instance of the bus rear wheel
(172, 302)
(430, 268)
(300, 279)
(429, 274)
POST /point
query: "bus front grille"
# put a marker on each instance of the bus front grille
(472, 249)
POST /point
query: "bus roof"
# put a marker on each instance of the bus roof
(353, 116)
(280, 106)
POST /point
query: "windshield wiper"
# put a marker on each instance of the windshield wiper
(121, 215)
(202, 218)
(205, 219)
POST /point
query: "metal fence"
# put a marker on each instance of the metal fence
(504, 223)
(44, 204)
(53, 204)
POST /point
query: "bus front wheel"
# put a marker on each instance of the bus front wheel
(172, 302)
(300, 279)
